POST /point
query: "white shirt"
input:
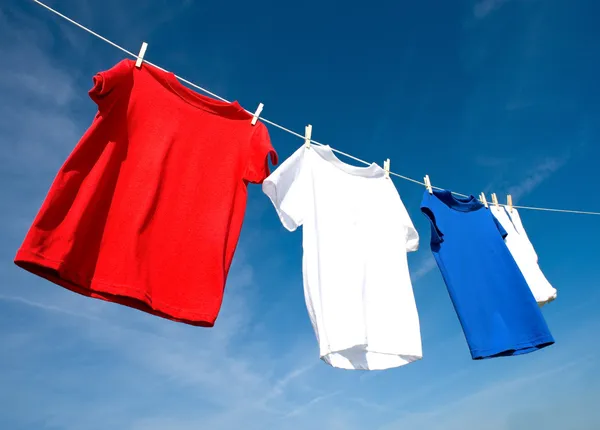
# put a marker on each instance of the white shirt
(356, 234)
(524, 254)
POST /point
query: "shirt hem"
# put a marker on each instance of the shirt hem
(547, 299)
(517, 349)
(125, 295)
(404, 358)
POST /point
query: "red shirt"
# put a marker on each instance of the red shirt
(148, 208)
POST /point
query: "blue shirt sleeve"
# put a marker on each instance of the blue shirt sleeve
(436, 234)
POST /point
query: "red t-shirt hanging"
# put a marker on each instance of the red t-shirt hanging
(148, 208)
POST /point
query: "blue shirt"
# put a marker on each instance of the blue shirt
(497, 311)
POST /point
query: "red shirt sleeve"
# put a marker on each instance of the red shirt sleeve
(110, 83)
(258, 158)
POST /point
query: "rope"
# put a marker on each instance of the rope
(287, 130)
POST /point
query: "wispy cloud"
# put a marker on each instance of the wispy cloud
(427, 265)
(231, 375)
(45, 307)
(534, 173)
(537, 175)
(485, 405)
(493, 161)
(306, 406)
(518, 104)
(38, 125)
(486, 7)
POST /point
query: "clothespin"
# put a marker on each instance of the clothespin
(140, 57)
(495, 199)
(509, 201)
(483, 200)
(257, 113)
(307, 135)
(386, 167)
(428, 184)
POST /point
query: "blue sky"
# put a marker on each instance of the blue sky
(492, 95)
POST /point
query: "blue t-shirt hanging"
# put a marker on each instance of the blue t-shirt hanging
(494, 304)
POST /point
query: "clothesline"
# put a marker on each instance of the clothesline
(280, 126)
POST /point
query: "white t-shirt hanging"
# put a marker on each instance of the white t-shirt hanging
(356, 235)
(524, 254)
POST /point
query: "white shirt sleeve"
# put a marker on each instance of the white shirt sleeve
(411, 234)
(412, 237)
(285, 189)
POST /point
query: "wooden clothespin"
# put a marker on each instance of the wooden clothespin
(140, 57)
(386, 167)
(483, 200)
(509, 201)
(495, 199)
(257, 113)
(307, 135)
(428, 184)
